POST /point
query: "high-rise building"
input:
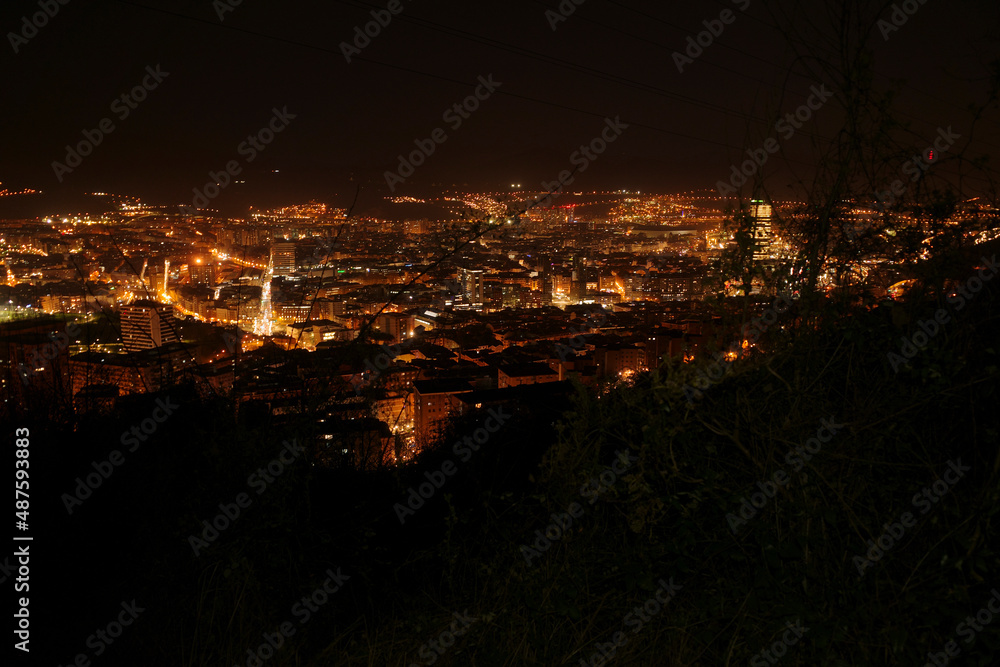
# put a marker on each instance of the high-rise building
(578, 284)
(147, 325)
(761, 214)
(472, 280)
(283, 258)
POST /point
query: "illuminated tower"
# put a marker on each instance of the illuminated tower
(578, 282)
(761, 214)
(472, 284)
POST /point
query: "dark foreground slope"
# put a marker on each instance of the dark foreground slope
(815, 504)
(753, 511)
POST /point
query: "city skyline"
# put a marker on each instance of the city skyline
(555, 332)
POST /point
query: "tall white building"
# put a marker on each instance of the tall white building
(147, 325)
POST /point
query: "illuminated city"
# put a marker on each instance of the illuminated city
(557, 333)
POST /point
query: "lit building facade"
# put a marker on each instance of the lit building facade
(283, 258)
(472, 284)
(398, 325)
(761, 214)
(147, 325)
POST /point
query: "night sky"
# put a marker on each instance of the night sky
(352, 120)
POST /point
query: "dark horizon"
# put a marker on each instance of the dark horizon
(211, 83)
